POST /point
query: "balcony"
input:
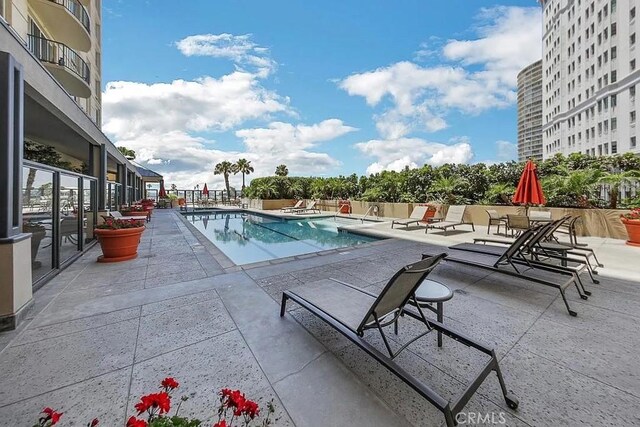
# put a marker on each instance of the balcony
(67, 21)
(64, 63)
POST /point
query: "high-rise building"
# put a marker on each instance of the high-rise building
(530, 112)
(59, 172)
(589, 76)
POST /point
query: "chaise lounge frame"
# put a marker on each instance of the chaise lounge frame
(449, 408)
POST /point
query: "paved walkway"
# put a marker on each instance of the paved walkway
(102, 335)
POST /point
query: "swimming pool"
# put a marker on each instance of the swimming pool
(247, 238)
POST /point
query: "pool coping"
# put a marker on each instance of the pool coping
(229, 266)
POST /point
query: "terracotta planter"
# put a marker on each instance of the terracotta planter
(633, 230)
(118, 245)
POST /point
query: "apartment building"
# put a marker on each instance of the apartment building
(589, 77)
(60, 173)
(530, 112)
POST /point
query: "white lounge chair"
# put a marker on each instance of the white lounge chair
(455, 217)
(311, 207)
(417, 214)
(118, 215)
(298, 205)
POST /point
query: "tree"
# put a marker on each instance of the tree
(282, 170)
(615, 180)
(244, 167)
(129, 154)
(46, 155)
(224, 168)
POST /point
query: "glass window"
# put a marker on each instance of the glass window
(69, 218)
(89, 211)
(614, 147)
(37, 218)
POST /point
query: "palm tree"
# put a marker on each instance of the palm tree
(224, 168)
(244, 167)
(615, 180)
(448, 187)
(282, 170)
(129, 154)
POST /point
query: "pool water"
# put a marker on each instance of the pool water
(247, 238)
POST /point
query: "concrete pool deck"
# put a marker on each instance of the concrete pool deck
(100, 335)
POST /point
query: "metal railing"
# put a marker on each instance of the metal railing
(76, 9)
(55, 52)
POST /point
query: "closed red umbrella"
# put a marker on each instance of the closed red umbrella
(162, 193)
(529, 191)
(205, 190)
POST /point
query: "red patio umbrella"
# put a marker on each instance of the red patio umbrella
(205, 190)
(529, 191)
(162, 193)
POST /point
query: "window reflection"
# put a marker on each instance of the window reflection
(37, 218)
(69, 219)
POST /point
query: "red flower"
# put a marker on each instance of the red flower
(134, 422)
(154, 401)
(222, 423)
(52, 415)
(170, 383)
(251, 409)
(94, 423)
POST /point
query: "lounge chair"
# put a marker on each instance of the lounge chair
(417, 216)
(298, 205)
(352, 311)
(507, 263)
(118, 215)
(532, 255)
(311, 207)
(455, 217)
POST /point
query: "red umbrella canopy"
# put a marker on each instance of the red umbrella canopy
(162, 193)
(529, 191)
(205, 190)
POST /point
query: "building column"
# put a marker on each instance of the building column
(122, 176)
(16, 295)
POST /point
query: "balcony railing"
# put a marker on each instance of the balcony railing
(58, 53)
(76, 9)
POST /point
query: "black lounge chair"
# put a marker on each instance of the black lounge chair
(352, 311)
(509, 259)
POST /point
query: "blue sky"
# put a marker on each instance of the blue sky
(328, 88)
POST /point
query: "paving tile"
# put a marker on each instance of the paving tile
(103, 397)
(69, 359)
(172, 278)
(551, 394)
(330, 382)
(202, 370)
(270, 337)
(92, 279)
(171, 329)
(604, 355)
(172, 303)
(39, 333)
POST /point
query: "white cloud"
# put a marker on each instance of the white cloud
(240, 49)
(413, 152)
(481, 75)
(205, 104)
(506, 151)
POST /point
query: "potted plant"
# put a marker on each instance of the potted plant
(119, 239)
(631, 221)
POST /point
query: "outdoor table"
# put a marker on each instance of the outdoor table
(428, 293)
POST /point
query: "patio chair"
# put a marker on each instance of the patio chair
(298, 205)
(352, 311)
(416, 217)
(455, 217)
(517, 224)
(495, 219)
(311, 207)
(507, 263)
(539, 216)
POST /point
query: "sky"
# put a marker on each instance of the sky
(327, 88)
